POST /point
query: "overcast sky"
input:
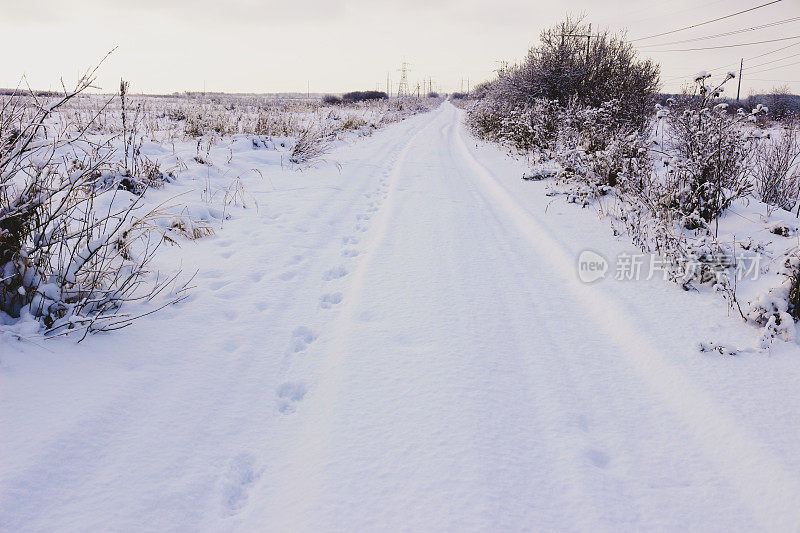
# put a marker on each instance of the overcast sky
(339, 45)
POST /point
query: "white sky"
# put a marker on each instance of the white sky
(340, 45)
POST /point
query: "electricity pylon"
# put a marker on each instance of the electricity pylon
(402, 88)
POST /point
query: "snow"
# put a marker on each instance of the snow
(402, 344)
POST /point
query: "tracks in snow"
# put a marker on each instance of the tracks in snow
(315, 481)
(309, 443)
(402, 346)
(759, 479)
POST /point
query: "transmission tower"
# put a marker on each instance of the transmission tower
(402, 88)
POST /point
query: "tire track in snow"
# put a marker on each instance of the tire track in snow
(760, 479)
(551, 408)
(298, 481)
(601, 424)
(255, 376)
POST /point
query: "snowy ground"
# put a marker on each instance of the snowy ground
(403, 344)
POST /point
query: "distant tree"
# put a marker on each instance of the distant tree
(780, 102)
(360, 96)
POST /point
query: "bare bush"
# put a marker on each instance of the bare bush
(776, 170)
(578, 100)
(600, 146)
(710, 154)
(311, 145)
(71, 253)
(782, 103)
(590, 70)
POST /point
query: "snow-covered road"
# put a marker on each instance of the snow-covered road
(406, 346)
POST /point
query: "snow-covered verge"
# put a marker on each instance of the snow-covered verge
(93, 186)
(708, 195)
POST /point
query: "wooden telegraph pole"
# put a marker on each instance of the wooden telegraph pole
(739, 89)
(588, 38)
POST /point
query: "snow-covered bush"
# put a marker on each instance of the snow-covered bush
(71, 251)
(135, 172)
(590, 71)
(487, 117)
(596, 145)
(777, 309)
(309, 146)
(709, 154)
(776, 170)
(688, 258)
(783, 104)
(532, 128)
(577, 100)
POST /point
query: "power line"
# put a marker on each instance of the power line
(774, 68)
(648, 8)
(773, 51)
(746, 59)
(726, 46)
(760, 55)
(774, 61)
(726, 34)
(707, 22)
(748, 71)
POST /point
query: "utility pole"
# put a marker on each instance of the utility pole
(388, 90)
(588, 38)
(308, 89)
(739, 89)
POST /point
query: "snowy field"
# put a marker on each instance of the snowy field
(396, 338)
